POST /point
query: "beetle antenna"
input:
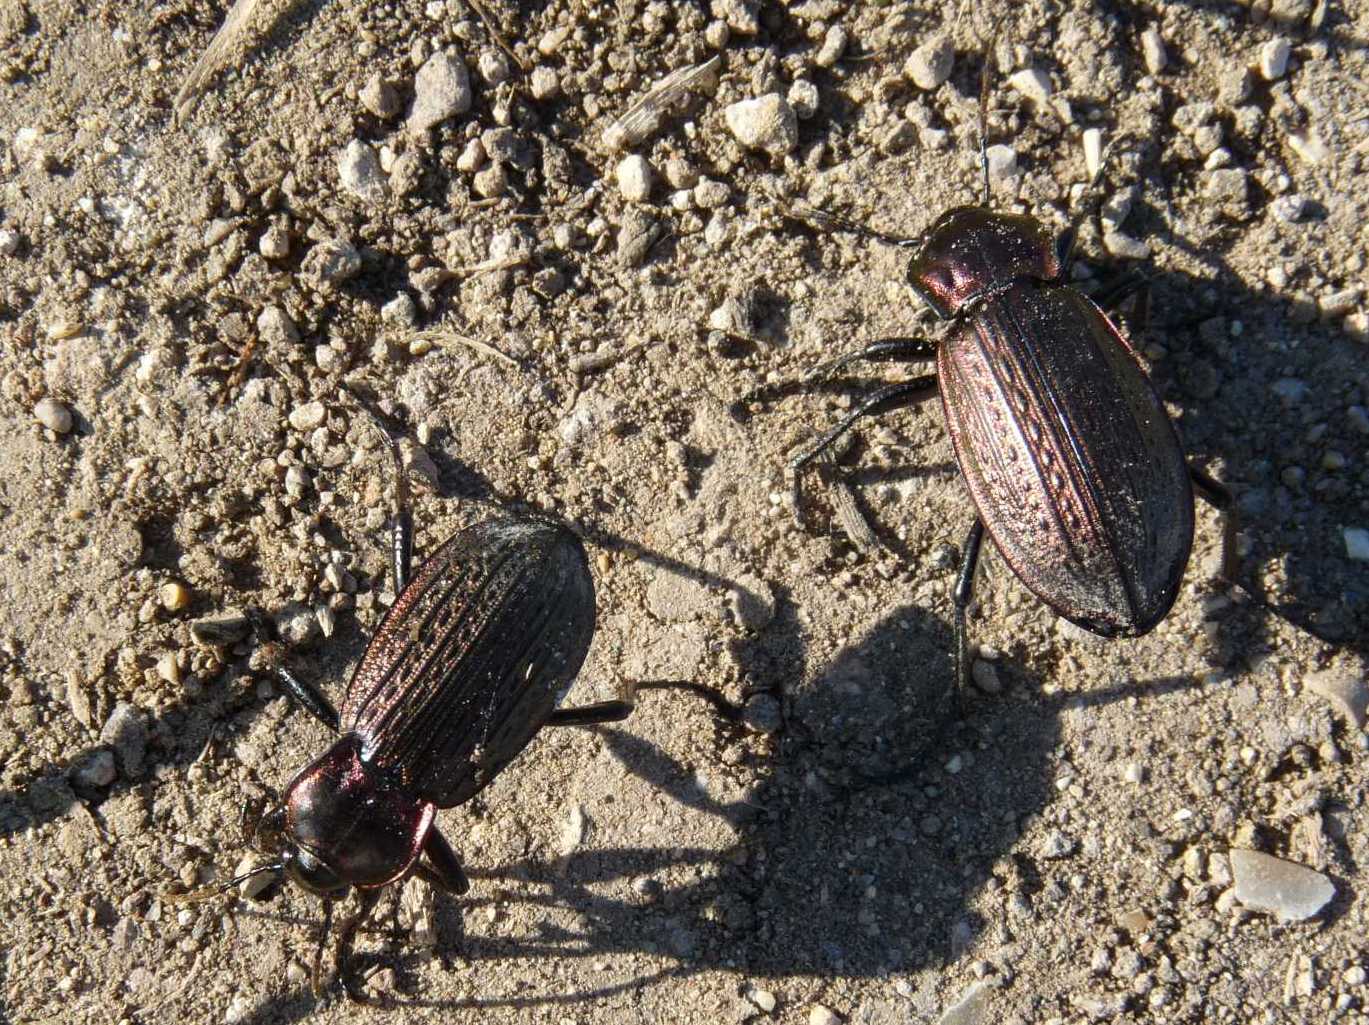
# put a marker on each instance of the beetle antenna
(214, 889)
(814, 217)
(984, 123)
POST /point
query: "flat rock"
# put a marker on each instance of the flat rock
(1291, 891)
(970, 1009)
(766, 123)
(1345, 689)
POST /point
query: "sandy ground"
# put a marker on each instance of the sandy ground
(186, 312)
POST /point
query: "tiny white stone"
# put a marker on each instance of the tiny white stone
(635, 178)
(53, 415)
(766, 123)
(1274, 59)
(442, 89)
(1291, 891)
(1033, 83)
(1153, 50)
(1093, 150)
(930, 64)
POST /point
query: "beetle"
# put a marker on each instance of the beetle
(471, 660)
(1075, 469)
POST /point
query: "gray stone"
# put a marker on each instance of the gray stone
(1286, 889)
(275, 327)
(126, 733)
(442, 89)
(970, 1009)
(95, 771)
(332, 262)
(379, 97)
(1345, 689)
(636, 236)
(359, 170)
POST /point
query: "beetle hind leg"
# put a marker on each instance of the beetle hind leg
(1216, 494)
(620, 709)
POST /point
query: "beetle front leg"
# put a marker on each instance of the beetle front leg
(886, 400)
(1216, 494)
(964, 593)
(367, 900)
(886, 350)
(616, 711)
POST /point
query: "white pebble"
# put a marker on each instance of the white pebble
(1093, 150)
(833, 46)
(1033, 83)
(1153, 50)
(1274, 59)
(766, 123)
(803, 97)
(53, 415)
(635, 178)
(820, 1015)
(360, 172)
(308, 416)
(1002, 162)
(545, 83)
(930, 64)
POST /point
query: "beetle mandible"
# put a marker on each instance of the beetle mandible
(466, 666)
(1074, 467)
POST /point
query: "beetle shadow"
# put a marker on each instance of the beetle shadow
(827, 873)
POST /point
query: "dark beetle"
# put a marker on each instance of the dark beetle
(1070, 457)
(466, 666)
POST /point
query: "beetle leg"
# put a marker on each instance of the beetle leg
(444, 867)
(367, 900)
(325, 928)
(616, 711)
(964, 592)
(311, 698)
(1216, 494)
(885, 350)
(885, 400)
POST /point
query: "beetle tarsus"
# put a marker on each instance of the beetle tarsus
(1217, 495)
(897, 349)
(626, 703)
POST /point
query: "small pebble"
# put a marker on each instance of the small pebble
(220, 629)
(379, 97)
(359, 170)
(1002, 162)
(255, 884)
(766, 123)
(635, 178)
(1153, 50)
(833, 46)
(53, 415)
(636, 235)
(1274, 59)
(1356, 543)
(762, 998)
(820, 1015)
(1286, 889)
(1033, 83)
(493, 67)
(175, 596)
(1290, 208)
(930, 64)
(442, 89)
(803, 97)
(1093, 150)
(332, 262)
(985, 676)
(9, 241)
(545, 83)
(275, 328)
(1345, 689)
(491, 182)
(96, 771)
(710, 194)
(308, 416)
(126, 732)
(274, 243)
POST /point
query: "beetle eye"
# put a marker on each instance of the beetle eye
(315, 876)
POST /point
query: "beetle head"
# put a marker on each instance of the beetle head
(971, 252)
